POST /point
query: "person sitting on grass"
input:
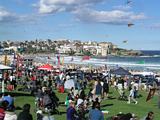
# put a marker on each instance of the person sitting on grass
(71, 111)
(95, 113)
(9, 99)
(25, 114)
(10, 114)
(150, 116)
(41, 116)
(3, 107)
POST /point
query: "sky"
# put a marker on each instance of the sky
(85, 20)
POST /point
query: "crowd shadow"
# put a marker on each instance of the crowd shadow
(16, 94)
(106, 105)
(111, 98)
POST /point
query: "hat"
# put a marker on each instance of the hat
(79, 102)
(39, 111)
(71, 101)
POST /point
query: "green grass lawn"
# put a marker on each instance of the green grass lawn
(114, 106)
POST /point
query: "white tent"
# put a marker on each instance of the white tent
(69, 84)
(4, 67)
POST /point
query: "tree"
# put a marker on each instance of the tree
(72, 52)
(87, 52)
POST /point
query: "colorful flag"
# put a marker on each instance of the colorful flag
(86, 58)
(62, 61)
(58, 58)
(150, 94)
(14, 56)
(141, 62)
(5, 59)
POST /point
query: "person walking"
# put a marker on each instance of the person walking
(132, 95)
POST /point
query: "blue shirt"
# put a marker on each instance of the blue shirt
(98, 89)
(9, 99)
(95, 114)
(71, 113)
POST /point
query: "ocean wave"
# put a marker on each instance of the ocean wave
(102, 62)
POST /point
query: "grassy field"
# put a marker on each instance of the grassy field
(113, 105)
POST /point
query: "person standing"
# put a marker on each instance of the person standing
(105, 89)
(98, 91)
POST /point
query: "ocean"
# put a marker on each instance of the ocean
(151, 52)
(150, 61)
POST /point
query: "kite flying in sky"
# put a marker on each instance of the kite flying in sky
(125, 41)
(129, 2)
(130, 24)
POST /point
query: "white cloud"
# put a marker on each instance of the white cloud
(53, 6)
(83, 11)
(155, 26)
(107, 17)
(122, 7)
(4, 15)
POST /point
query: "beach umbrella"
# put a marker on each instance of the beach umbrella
(45, 67)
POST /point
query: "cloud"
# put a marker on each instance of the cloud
(66, 25)
(107, 17)
(122, 7)
(53, 6)
(8, 17)
(5, 15)
(155, 26)
(83, 11)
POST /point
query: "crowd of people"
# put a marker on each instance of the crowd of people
(7, 109)
(79, 104)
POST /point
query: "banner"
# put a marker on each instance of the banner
(150, 94)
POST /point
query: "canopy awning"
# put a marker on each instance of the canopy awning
(4, 67)
(120, 71)
(45, 67)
